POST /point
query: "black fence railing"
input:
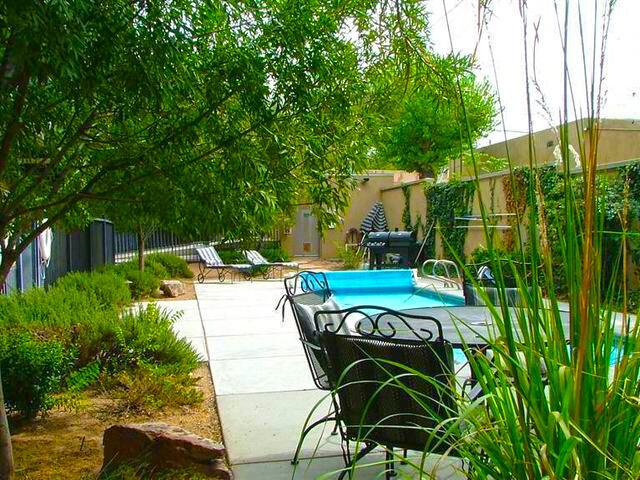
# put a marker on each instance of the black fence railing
(126, 244)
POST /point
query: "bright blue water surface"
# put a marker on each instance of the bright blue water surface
(394, 289)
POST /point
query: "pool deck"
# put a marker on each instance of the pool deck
(263, 386)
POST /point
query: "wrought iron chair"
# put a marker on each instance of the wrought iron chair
(379, 403)
(306, 292)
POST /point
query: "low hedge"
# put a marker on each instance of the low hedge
(82, 323)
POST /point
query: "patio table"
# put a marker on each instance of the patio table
(461, 324)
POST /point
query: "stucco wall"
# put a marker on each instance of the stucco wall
(618, 140)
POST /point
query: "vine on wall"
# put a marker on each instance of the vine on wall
(406, 213)
(445, 202)
(515, 194)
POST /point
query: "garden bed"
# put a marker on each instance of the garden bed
(73, 440)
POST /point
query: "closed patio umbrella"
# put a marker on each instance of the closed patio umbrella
(375, 221)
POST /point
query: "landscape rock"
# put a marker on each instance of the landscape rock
(163, 446)
(172, 288)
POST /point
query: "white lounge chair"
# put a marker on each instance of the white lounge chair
(210, 261)
(256, 259)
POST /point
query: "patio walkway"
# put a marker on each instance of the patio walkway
(263, 387)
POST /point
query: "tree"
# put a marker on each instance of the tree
(446, 112)
(237, 108)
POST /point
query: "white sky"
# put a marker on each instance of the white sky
(505, 34)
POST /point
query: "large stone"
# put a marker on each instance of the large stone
(172, 288)
(163, 446)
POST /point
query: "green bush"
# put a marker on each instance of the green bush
(57, 310)
(157, 270)
(32, 371)
(275, 254)
(174, 265)
(143, 284)
(108, 289)
(232, 256)
(149, 388)
(145, 336)
(350, 257)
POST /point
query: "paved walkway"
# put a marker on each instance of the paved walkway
(263, 387)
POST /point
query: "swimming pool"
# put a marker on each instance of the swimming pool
(394, 289)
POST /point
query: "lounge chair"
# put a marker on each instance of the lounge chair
(210, 261)
(257, 260)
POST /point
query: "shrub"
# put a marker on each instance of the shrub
(275, 254)
(351, 258)
(32, 371)
(108, 289)
(54, 311)
(150, 388)
(143, 284)
(157, 270)
(232, 256)
(146, 336)
(174, 265)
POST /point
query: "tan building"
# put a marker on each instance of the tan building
(619, 142)
(304, 239)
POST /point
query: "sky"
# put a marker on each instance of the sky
(503, 35)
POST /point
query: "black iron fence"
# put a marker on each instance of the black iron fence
(126, 244)
(100, 244)
(82, 250)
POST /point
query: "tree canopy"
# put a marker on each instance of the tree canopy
(444, 114)
(225, 113)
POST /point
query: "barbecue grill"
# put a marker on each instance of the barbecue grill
(391, 249)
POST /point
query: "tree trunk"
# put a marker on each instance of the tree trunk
(140, 234)
(6, 451)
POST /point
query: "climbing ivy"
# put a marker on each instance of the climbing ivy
(617, 193)
(406, 213)
(445, 202)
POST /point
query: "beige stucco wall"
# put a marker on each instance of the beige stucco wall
(618, 140)
(393, 201)
(368, 190)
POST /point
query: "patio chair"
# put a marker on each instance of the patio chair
(256, 259)
(380, 404)
(308, 292)
(210, 261)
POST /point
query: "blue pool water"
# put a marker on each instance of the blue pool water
(396, 289)
(393, 289)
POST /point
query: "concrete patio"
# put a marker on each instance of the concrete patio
(263, 387)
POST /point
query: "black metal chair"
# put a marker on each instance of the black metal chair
(305, 292)
(379, 403)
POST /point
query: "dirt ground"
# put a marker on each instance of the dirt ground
(68, 445)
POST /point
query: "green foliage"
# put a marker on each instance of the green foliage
(149, 388)
(445, 202)
(351, 258)
(232, 256)
(406, 212)
(143, 284)
(431, 127)
(275, 254)
(32, 371)
(142, 471)
(108, 289)
(175, 266)
(161, 109)
(145, 336)
(55, 343)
